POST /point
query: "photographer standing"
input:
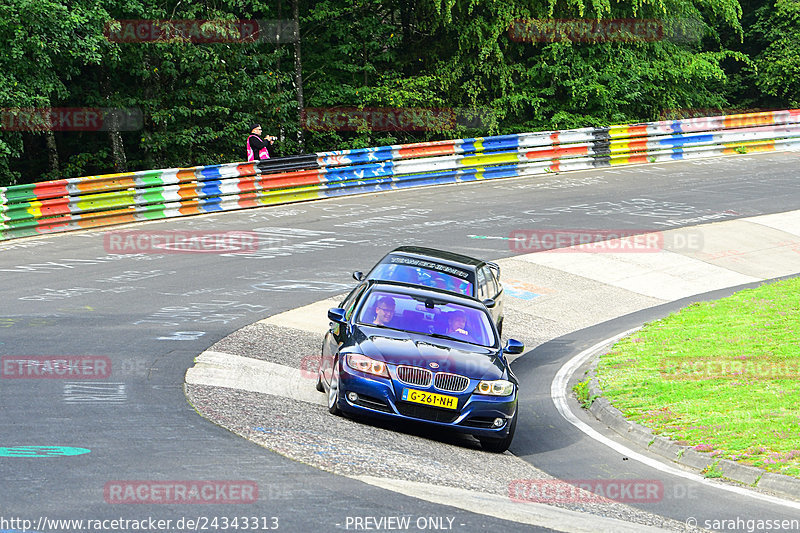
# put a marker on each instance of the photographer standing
(258, 148)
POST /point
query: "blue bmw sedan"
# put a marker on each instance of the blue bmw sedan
(396, 351)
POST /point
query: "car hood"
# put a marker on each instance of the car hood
(405, 348)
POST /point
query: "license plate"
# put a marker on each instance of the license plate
(430, 398)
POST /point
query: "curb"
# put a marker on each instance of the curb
(503, 507)
(644, 437)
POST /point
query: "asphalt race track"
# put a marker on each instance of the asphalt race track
(150, 314)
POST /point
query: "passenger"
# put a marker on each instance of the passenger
(384, 311)
(405, 274)
(464, 288)
(440, 282)
(456, 324)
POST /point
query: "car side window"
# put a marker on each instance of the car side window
(352, 299)
(493, 288)
(482, 289)
(349, 297)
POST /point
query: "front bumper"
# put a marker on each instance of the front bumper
(379, 397)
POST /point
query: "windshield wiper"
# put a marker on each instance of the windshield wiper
(390, 327)
(441, 336)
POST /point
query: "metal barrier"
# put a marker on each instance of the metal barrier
(93, 201)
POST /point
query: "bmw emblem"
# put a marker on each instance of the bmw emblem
(433, 365)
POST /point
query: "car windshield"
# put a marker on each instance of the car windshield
(428, 317)
(424, 273)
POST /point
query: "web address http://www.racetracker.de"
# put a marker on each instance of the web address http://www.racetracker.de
(197, 523)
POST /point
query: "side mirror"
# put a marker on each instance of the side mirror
(514, 347)
(358, 275)
(489, 302)
(336, 314)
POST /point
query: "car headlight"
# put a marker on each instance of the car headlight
(362, 363)
(499, 387)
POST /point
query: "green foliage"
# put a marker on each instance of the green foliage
(543, 85)
(44, 46)
(197, 99)
(778, 64)
(712, 471)
(581, 390)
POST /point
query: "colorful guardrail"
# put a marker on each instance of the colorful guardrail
(94, 201)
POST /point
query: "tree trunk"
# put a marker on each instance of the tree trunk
(117, 148)
(278, 68)
(52, 154)
(405, 21)
(366, 60)
(298, 75)
(113, 120)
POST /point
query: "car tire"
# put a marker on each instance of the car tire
(320, 386)
(333, 391)
(500, 328)
(500, 445)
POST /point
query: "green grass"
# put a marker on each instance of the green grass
(722, 377)
(581, 391)
(712, 470)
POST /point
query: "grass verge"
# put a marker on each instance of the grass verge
(722, 377)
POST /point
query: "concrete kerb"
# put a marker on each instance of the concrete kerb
(685, 456)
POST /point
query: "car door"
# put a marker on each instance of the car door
(337, 333)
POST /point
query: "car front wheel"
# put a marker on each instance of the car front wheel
(333, 391)
(320, 386)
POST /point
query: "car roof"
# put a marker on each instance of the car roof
(421, 292)
(442, 256)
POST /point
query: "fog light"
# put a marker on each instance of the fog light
(352, 396)
(498, 422)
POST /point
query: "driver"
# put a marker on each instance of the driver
(456, 323)
(384, 311)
